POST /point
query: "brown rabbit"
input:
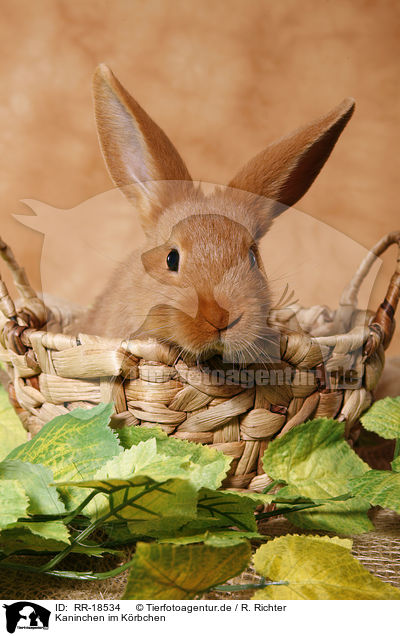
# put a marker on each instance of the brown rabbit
(198, 283)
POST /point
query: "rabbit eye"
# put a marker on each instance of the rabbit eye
(252, 258)
(173, 260)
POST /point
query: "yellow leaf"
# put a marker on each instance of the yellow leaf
(316, 568)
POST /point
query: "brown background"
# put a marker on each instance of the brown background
(223, 79)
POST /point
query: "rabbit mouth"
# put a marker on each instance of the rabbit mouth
(216, 332)
(231, 324)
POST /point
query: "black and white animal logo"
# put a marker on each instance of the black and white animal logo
(26, 615)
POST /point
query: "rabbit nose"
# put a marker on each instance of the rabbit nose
(213, 313)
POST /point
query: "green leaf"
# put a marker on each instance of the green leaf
(222, 508)
(13, 502)
(36, 479)
(216, 511)
(383, 418)
(316, 568)
(170, 458)
(133, 435)
(396, 464)
(166, 571)
(144, 460)
(133, 469)
(215, 537)
(163, 510)
(43, 500)
(73, 446)
(130, 475)
(149, 507)
(17, 539)
(54, 530)
(33, 480)
(208, 467)
(12, 433)
(379, 488)
(316, 462)
(347, 517)
(258, 498)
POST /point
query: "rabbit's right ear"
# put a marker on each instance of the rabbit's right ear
(137, 152)
(284, 171)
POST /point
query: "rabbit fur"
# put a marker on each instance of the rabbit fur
(216, 296)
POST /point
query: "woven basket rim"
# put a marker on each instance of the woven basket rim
(33, 315)
(149, 383)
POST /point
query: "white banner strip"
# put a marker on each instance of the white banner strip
(311, 618)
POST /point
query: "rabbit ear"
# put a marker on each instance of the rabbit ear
(285, 170)
(137, 152)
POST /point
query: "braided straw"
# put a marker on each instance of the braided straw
(383, 319)
(330, 363)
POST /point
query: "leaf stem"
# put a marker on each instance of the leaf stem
(79, 509)
(93, 526)
(247, 586)
(396, 449)
(284, 511)
(276, 482)
(68, 574)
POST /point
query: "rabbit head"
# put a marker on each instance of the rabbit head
(199, 282)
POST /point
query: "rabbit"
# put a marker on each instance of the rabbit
(198, 283)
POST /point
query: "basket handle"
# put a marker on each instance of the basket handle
(383, 321)
(384, 317)
(21, 282)
(20, 278)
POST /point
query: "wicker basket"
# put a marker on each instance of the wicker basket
(330, 363)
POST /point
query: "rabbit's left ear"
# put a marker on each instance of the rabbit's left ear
(285, 170)
(138, 153)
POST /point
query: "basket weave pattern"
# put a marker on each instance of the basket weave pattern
(330, 363)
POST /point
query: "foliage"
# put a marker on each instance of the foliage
(315, 461)
(12, 433)
(382, 487)
(180, 572)
(80, 487)
(383, 418)
(72, 445)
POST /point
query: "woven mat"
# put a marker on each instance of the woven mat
(378, 551)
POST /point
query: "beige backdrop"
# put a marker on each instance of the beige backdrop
(223, 78)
